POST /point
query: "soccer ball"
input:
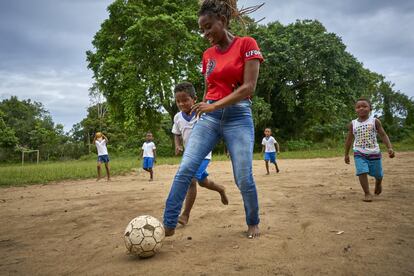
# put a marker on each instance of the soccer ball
(143, 236)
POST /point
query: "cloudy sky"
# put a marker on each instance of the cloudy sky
(43, 44)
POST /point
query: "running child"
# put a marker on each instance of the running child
(184, 122)
(367, 154)
(100, 142)
(148, 151)
(268, 147)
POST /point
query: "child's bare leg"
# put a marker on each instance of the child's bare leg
(277, 168)
(378, 186)
(363, 180)
(98, 167)
(189, 202)
(253, 231)
(169, 231)
(151, 174)
(267, 167)
(206, 183)
(108, 176)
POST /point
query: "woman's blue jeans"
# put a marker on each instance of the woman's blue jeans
(234, 124)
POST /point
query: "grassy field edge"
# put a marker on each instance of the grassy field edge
(46, 172)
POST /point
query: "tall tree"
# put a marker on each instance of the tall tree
(141, 51)
(308, 78)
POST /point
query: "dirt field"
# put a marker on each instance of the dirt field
(76, 228)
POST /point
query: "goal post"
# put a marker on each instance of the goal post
(30, 151)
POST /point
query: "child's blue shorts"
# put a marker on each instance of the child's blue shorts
(372, 167)
(270, 156)
(201, 173)
(103, 158)
(148, 163)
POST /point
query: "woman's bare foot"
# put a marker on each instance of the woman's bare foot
(253, 231)
(183, 219)
(223, 195)
(368, 198)
(378, 188)
(169, 231)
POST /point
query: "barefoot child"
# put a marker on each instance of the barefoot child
(100, 142)
(367, 155)
(148, 151)
(184, 121)
(268, 147)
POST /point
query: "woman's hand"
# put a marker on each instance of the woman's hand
(203, 107)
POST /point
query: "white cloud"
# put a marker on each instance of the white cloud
(64, 93)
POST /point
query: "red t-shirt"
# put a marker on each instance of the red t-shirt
(223, 71)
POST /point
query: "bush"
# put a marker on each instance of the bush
(293, 145)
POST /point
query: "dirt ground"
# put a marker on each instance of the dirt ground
(76, 228)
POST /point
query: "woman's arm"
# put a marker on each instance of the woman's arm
(251, 73)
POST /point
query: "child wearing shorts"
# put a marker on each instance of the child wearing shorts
(148, 152)
(100, 141)
(269, 149)
(184, 122)
(367, 154)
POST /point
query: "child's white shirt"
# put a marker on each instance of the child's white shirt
(148, 148)
(101, 147)
(269, 144)
(183, 125)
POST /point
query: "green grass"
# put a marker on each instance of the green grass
(16, 174)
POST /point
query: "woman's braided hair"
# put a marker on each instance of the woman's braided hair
(226, 8)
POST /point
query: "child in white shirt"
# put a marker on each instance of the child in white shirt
(100, 142)
(184, 122)
(148, 151)
(268, 147)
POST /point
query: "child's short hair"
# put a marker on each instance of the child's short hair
(186, 87)
(98, 135)
(365, 100)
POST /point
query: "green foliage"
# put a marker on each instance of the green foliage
(8, 137)
(26, 124)
(262, 112)
(295, 145)
(308, 78)
(141, 51)
(395, 110)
